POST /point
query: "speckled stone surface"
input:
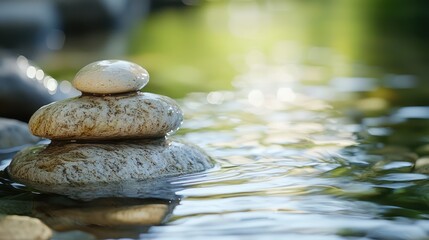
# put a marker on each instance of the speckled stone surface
(111, 76)
(78, 164)
(133, 115)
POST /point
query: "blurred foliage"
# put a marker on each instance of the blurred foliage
(181, 55)
(202, 48)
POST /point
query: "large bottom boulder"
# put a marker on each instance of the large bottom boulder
(81, 163)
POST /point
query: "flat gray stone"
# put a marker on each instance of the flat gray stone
(110, 77)
(134, 115)
(78, 164)
(14, 133)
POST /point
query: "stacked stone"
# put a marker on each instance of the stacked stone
(111, 133)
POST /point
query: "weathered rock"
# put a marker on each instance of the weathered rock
(14, 133)
(19, 227)
(83, 163)
(110, 77)
(134, 115)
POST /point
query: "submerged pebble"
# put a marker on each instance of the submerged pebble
(14, 227)
(422, 165)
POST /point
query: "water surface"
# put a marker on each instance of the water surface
(293, 160)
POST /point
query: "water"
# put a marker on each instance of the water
(294, 160)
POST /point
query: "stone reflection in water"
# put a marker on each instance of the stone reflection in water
(104, 217)
(157, 188)
(115, 210)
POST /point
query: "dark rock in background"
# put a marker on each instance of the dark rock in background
(27, 27)
(20, 96)
(14, 133)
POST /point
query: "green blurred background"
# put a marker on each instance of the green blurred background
(190, 46)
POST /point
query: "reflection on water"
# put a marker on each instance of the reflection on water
(309, 145)
(103, 217)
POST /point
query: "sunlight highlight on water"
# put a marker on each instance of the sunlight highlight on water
(290, 166)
